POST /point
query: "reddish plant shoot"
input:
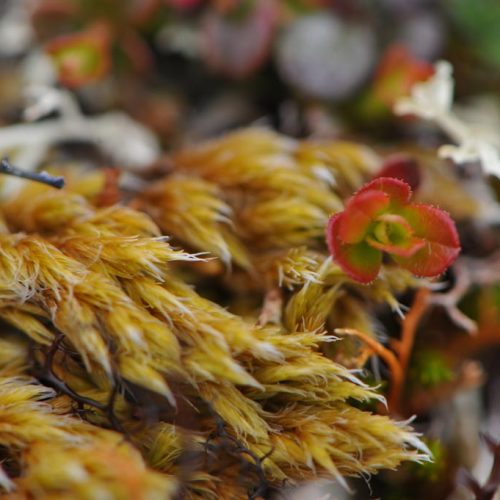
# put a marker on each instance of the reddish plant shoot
(398, 71)
(81, 58)
(380, 218)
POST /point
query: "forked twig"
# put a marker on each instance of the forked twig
(47, 375)
(232, 446)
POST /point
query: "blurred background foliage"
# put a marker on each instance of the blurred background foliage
(196, 68)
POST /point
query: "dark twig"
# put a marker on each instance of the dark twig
(233, 447)
(48, 376)
(43, 177)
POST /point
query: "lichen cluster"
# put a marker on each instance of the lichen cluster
(180, 343)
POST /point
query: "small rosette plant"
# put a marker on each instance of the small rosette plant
(380, 219)
(81, 58)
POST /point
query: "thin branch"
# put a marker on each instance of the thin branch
(47, 375)
(233, 447)
(43, 177)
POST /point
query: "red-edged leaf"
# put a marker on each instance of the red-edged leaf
(398, 191)
(359, 214)
(402, 166)
(359, 261)
(442, 244)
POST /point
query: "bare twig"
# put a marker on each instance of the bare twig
(47, 375)
(43, 177)
(232, 446)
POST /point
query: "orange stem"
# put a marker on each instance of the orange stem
(404, 346)
(398, 365)
(377, 348)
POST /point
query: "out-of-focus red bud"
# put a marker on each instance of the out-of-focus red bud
(404, 167)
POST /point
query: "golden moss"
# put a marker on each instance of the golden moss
(137, 344)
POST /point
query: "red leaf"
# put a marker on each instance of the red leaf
(360, 213)
(402, 166)
(442, 244)
(359, 261)
(398, 191)
(378, 218)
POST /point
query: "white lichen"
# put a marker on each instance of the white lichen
(128, 143)
(433, 100)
